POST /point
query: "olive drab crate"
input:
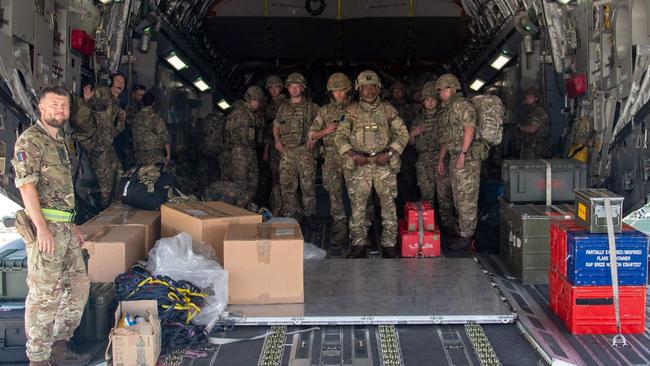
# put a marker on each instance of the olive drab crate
(13, 271)
(524, 181)
(590, 209)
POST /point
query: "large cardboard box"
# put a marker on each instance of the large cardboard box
(139, 344)
(264, 263)
(126, 216)
(205, 221)
(113, 251)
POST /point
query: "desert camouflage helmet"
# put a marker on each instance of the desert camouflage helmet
(447, 81)
(296, 78)
(429, 90)
(273, 80)
(367, 77)
(254, 92)
(338, 81)
(398, 85)
(531, 91)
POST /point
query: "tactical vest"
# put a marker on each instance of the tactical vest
(427, 141)
(295, 120)
(369, 127)
(329, 113)
(452, 129)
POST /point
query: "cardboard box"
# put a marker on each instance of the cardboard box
(205, 221)
(139, 344)
(113, 251)
(123, 215)
(264, 263)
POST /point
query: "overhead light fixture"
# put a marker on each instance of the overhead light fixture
(223, 104)
(200, 84)
(477, 84)
(500, 61)
(563, 2)
(175, 61)
(105, 1)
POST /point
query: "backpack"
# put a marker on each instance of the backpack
(137, 191)
(489, 111)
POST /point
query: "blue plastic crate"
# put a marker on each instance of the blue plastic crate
(588, 258)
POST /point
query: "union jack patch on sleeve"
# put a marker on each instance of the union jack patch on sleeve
(21, 156)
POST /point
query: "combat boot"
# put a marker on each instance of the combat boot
(357, 252)
(461, 245)
(64, 356)
(390, 252)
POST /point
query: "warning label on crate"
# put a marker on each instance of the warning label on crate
(582, 211)
(628, 258)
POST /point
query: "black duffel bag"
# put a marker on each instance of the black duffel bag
(135, 193)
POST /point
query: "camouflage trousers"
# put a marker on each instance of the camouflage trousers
(209, 171)
(58, 291)
(465, 188)
(275, 201)
(297, 169)
(362, 180)
(146, 157)
(225, 165)
(245, 171)
(445, 200)
(108, 171)
(426, 167)
(334, 182)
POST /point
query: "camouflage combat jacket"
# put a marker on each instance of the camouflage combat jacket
(149, 131)
(244, 127)
(214, 134)
(328, 114)
(45, 161)
(535, 115)
(456, 114)
(98, 120)
(270, 112)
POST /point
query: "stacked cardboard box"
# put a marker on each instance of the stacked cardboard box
(117, 238)
(418, 234)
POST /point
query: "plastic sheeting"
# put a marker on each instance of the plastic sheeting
(181, 259)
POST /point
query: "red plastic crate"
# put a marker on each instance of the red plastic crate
(411, 244)
(411, 216)
(590, 309)
(82, 42)
(554, 289)
(558, 241)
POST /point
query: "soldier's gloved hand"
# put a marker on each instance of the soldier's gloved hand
(359, 159)
(382, 158)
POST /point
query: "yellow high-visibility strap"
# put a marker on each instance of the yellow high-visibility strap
(57, 215)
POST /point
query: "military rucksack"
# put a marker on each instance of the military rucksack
(489, 113)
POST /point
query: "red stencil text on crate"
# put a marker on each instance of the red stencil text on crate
(590, 309)
(411, 246)
(588, 258)
(412, 215)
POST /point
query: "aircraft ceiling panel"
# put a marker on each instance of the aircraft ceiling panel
(313, 38)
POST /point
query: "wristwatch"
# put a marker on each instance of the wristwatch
(390, 153)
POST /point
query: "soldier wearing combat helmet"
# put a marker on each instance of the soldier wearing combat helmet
(297, 164)
(324, 127)
(244, 129)
(370, 139)
(458, 120)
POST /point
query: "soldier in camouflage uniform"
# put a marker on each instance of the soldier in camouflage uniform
(274, 87)
(150, 136)
(324, 127)
(214, 149)
(425, 134)
(370, 139)
(298, 166)
(244, 128)
(97, 132)
(134, 106)
(458, 117)
(56, 276)
(534, 130)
